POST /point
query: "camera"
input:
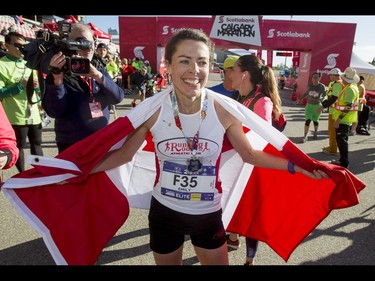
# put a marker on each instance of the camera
(73, 65)
(39, 52)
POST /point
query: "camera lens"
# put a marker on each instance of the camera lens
(78, 66)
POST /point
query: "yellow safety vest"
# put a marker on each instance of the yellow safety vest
(351, 116)
(330, 87)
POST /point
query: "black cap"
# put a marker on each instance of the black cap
(102, 45)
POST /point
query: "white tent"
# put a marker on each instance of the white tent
(365, 69)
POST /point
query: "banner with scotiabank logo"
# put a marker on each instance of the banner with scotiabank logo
(317, 46)
(167, 26)
(287, 34)
(243, 29)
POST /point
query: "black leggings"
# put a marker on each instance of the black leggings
(342, 137)
(34, 133)
(363, 115)
(308, 121)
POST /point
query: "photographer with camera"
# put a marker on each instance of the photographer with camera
(78, 95)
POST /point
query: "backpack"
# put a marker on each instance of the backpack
(278, 124)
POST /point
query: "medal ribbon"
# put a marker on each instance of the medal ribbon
(192, 143)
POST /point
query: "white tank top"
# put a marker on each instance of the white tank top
(177, 188)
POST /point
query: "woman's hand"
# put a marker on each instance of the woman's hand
(316, 174)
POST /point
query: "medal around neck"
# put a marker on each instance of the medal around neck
(194, 163)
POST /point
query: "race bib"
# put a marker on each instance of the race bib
(179, 183)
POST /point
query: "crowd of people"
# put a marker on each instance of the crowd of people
(76, 115)
(81, 106)
(345, 98)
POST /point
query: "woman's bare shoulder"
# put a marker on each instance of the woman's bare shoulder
(224, 116)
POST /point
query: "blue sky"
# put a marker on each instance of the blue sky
(364, 37)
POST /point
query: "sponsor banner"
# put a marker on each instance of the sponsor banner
(282, 34)
(243, 29)
(167, 26)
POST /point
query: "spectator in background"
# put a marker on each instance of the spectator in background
(333, 90)
(112, 67)
(79, 103)
(159, 82)
(119, 71)
(118, 61)
(137, 63)
(345, 114)
(20, 106)
(9, 151)
(315, 94)
(148, 66)
(362, 130)
(100, 58)
(113, 71)
(126, 70)
(257, 90)
(225, 87)
(363, 116)
(138, 82)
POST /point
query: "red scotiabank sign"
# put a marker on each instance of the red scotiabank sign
(321, 46)
(166, 27)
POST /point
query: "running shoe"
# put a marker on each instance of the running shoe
(233, 244)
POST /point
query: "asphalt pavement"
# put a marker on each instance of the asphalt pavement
(345, 237)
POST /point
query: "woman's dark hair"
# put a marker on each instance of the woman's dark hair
(8, 37)
(263, 76)
(187, 34)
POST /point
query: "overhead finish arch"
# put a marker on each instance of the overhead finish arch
(321, 46)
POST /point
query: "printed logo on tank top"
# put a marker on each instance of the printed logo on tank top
(178, 148)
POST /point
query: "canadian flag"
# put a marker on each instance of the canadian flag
(78, 218)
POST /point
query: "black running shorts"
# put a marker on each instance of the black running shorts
(168, 229)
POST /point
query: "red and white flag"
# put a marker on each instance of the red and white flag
(77, 219)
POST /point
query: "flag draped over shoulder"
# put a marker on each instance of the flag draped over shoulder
(78, 218)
